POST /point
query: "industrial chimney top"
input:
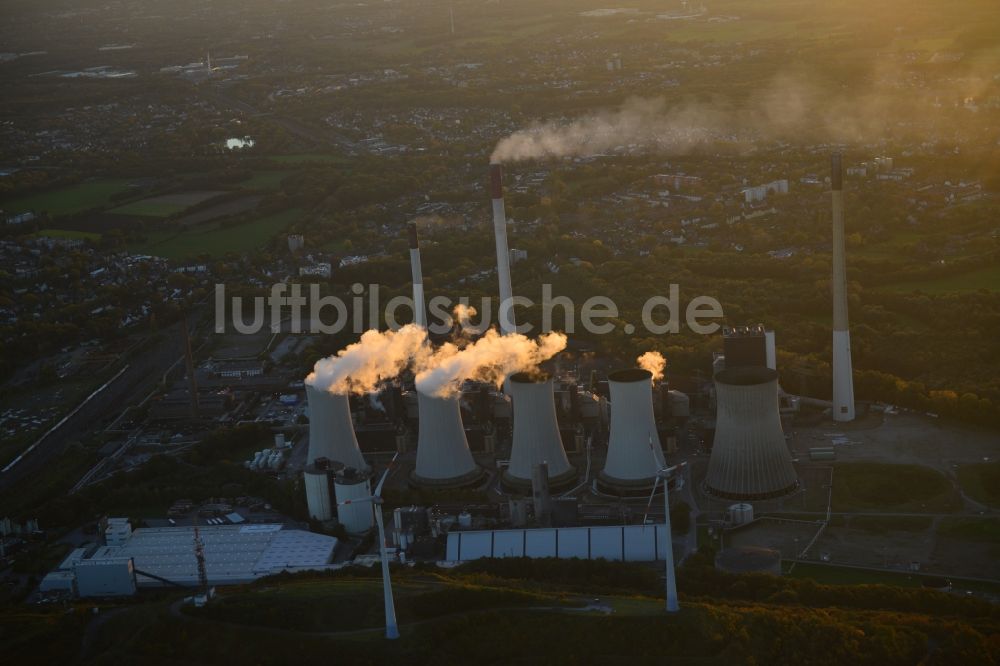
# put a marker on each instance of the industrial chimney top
(630, 375)
(530, 377)
(746, 375)
(496, 180)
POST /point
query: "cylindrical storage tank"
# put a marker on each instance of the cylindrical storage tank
(750, 459)
(279, 440)
(443, 456)
(351, 484)
(634, 453)
(331, 432)
(536, 436)
(465, 520)
(317, 482)
(741, 514)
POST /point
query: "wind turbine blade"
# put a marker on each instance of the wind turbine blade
(385, 475)
(357, 500)
(650, 502)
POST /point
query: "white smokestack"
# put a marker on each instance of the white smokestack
(536, 433)
(750, 460)
(507, 323)
(331, 433)
(443, 456)
(419, 311)
(630, 462)
(843, 375)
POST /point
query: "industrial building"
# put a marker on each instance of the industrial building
(162, 556)
(629, 543)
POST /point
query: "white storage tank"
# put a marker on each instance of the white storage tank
(352, 484)
(741, 514)
(465, 520)
(318, 496)
(279, 440)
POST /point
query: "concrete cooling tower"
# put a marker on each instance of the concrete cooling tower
(443, 456)
(331, 433)
(631, 464)
(750, 460)
(536, 433)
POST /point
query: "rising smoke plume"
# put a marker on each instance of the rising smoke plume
(376, 357)
(793, 106)
(491, 358)
(654, 363)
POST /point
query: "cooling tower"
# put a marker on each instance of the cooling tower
(750, 460)
(443, 456)
(331, 433)
(536, 433)
(507, 323)
(843, 380)
(630, 463)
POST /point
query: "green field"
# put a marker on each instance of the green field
(868, 486)
(981, 481)
(986, 530)
(217, 240)
(265, 180)
(150, 208)
(883, 524)
(68, 234)
(302, 158)
(983, 278)
(826, 574)
(69, 200)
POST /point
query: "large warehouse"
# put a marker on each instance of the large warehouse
(158, 556)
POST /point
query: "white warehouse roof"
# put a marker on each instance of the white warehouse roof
(233, 553)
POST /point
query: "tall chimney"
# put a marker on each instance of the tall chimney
(331, 432)
(419, 311)
(507, 323)
(843, 380)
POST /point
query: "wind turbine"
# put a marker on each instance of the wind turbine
(664, 472)
(391, 629)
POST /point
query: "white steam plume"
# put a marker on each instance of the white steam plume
(376, 357)
(489, 359)
(796, 105)
(645, 124)
(654, 363)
